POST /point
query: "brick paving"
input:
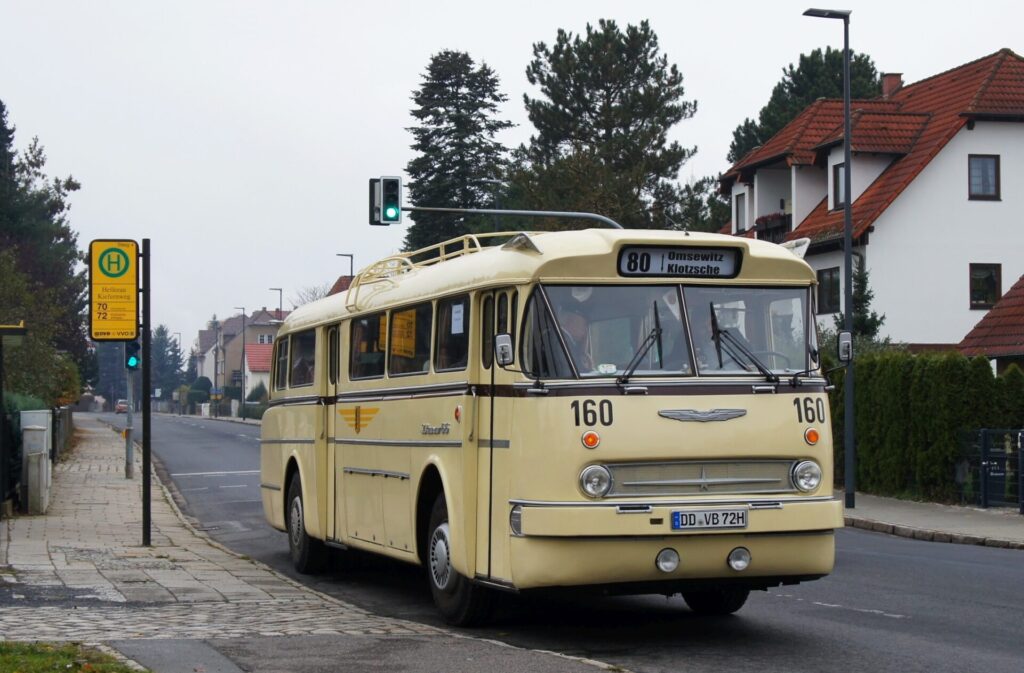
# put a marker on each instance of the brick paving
(79, 573)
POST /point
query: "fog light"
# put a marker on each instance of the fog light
(739, 559)
(806, 475)
(515, 520)
(596, 481)
(667, 560)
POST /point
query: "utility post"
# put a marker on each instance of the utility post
(129, 449)
(241, 368)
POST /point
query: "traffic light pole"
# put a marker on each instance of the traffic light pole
(147, 387)
(129, 449)
(523, 213)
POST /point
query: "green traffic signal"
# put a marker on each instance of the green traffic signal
(391, 200)
(391, 212)
(131, 355)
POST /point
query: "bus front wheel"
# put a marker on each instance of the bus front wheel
(307, 553)
(460, 602)
(716, 601)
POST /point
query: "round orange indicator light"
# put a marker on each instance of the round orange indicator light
(590, 439)
(811, 436)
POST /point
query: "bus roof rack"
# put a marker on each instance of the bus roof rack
(390, 267)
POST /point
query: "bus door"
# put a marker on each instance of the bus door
(330, 410)
(497, 313)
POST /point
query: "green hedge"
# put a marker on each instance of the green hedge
(913, 413)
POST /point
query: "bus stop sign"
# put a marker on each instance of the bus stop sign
(113, 290)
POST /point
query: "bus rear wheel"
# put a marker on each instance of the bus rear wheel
(459, 601)
(308, 555)
(717, 600)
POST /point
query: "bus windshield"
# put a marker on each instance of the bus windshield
(742, 330)
(601, 330)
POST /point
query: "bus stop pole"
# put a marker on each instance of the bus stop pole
(147, 381)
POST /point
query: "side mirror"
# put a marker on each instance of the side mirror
(844, 346)
(503, 353)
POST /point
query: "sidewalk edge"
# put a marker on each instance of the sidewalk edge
(927, 534)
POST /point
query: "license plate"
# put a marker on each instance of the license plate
(701, 519)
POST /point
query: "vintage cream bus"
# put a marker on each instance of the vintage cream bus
(631, 411)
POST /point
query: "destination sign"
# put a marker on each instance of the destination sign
(679, 262)
(113, 290)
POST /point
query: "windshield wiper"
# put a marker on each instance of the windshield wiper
(721, 334)
(653, 337)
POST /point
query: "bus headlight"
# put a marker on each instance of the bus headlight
(596, 481)
(807, 475)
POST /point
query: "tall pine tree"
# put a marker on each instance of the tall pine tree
(459, 163)
(818, 75)
(609, 99)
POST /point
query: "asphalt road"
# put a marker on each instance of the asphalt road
(892, 604)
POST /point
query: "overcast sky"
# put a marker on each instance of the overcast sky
(239, 136)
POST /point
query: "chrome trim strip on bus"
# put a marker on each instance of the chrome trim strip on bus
(500, 585)
(287, 441)
(754, 503)
(703, 481)
(295, 401)
(456, 387)
(430, 443)
(270, 487)
(498, 443)
(376, 473)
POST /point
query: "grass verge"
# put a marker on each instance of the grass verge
(49, 657)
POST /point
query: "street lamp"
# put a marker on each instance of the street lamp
(280, 300)
(850, 465)
(241, 395)
(351, 262)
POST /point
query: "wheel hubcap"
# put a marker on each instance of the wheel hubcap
(440, 559)
(295, 521)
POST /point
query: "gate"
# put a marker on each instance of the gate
(995, 468)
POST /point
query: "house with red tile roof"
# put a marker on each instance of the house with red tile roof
(937, 171)
(257, 366)
(999, 335)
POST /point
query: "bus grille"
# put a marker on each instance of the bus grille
(701, 477)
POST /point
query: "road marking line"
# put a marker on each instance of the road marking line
(234, 486)
(212, 474)
(204, 488)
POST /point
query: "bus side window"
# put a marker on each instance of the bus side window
(409, 344)
(303, 359)
(452, 334)
(281, 370)
(487, 332)
(332, 355)
(367, 342)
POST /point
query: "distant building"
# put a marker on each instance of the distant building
(999, 336)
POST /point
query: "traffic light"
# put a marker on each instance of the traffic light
(391, 200)
(131, 355)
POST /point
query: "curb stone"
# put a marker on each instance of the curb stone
(929, 535)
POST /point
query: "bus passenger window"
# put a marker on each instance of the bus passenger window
(410, 341)
(367, 344)
(452, 334)
(281, 370)
(332, 355)
(303, 359)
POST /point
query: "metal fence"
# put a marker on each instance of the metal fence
(990, 472)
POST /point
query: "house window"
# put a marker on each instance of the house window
(828, 290)
(265, 338)
(741, 213)
(983, 177)
(838, 186)
(986, 285)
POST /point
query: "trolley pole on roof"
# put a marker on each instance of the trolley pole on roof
(520, 213)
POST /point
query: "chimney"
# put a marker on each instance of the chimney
(891, 83)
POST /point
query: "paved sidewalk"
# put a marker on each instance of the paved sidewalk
(993, 527)
(79, 573)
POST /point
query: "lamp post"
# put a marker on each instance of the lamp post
(177, 368)
(280, 300)
(351, 262)
(241, 395)
(849, 449)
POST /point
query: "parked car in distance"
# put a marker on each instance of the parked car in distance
(121, 407)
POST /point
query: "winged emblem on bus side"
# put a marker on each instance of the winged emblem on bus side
(702, 416)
